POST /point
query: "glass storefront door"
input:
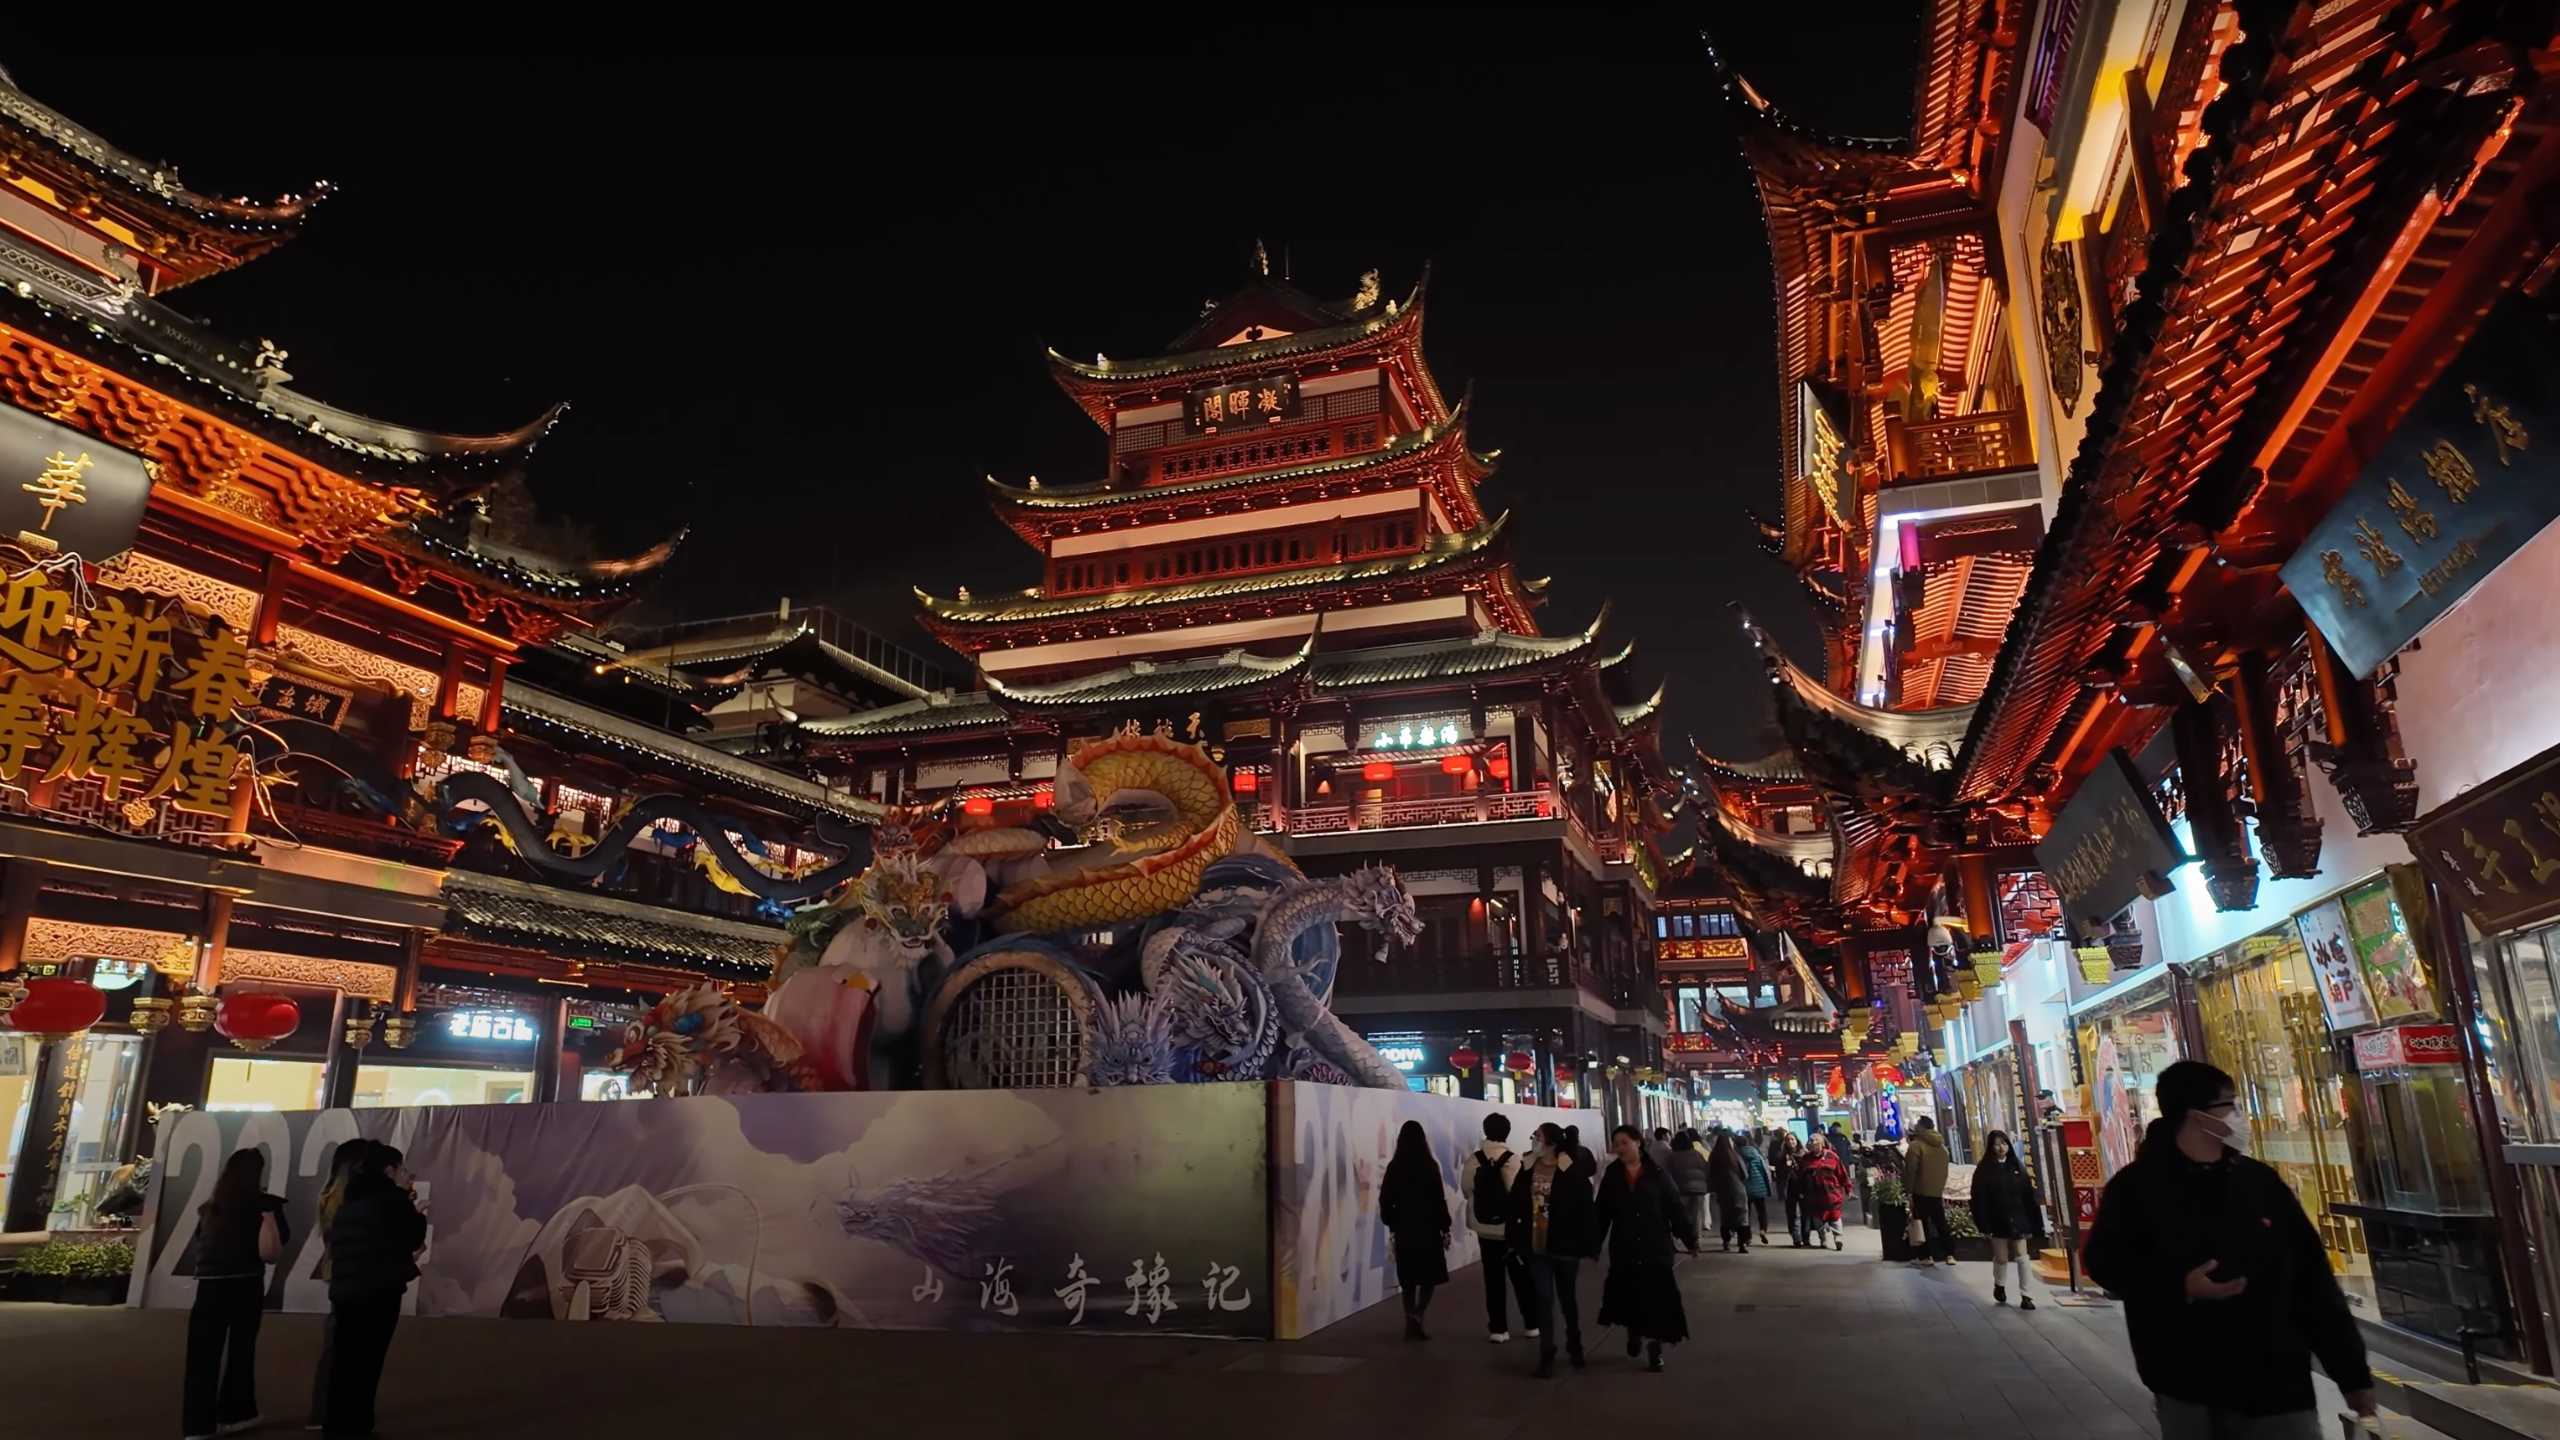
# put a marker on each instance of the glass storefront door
(2263, 1023)
(2122, 1051)
(242, 1082)
(2519, 988)
(95, 1148)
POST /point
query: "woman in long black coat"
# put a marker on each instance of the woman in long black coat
(1415, 1206)
(1638, 1214)
(2006, 1209)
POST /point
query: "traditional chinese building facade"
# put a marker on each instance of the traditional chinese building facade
(2290, 321)
(1286, 558)
(247, 641)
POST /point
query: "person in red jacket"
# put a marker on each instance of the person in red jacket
(1822, 1183)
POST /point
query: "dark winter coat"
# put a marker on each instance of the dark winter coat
(2004, 1200)
(227, 1245)
(373, 1244)
(1689, 1170)
(1572, 1223)
(1821, 1184)
(1415, 1208)
(2161, 1217)
(1637, 1221)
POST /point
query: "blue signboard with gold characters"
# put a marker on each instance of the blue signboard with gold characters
(2469, 477)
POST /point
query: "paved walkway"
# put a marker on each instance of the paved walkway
(1785, 1343)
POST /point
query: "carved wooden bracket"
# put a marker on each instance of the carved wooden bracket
(2230, 871)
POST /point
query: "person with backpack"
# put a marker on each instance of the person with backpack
(1551, 1228)
(240, 1232)
(1485, 1178)
(1416, 1213)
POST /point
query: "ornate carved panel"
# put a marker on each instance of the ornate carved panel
(51, 942)
(236, 604)
(2058, 293)
(357, 978)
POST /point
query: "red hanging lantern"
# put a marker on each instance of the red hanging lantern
(978, 805)
(1378, 772)
(1498, 766)
(1456, 765)
(1247, 782)
(1463, 1060)
(1043, 799)
(1519, 1063)
(256, 1019)
(56, 1007)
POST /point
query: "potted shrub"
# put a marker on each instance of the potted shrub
(74, 1272)
(1893, 1216)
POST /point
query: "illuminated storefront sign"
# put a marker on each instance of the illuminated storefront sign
(499, 1025)
(1822, 447)
(1403, 1057)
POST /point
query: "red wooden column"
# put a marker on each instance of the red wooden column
(492, 702)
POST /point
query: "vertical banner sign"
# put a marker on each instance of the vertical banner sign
(1822, 447)
(64, 493)
(2108, 847)
(2466, 480)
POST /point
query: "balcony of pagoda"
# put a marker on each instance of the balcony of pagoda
(1483, 817)
(1958, 446)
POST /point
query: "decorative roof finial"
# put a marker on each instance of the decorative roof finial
(1261, 259)
(1369, 287)
(267, 366)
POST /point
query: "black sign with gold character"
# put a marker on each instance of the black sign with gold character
(2462, 484)
(303, 700)
(64, 493)
(1260, 400)
(2108, 847)
(2496, 849)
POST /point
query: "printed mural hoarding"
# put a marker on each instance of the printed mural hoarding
(2332, 956)
(1137, 1210)
(1330, 1147)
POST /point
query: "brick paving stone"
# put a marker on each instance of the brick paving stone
(1782, 1339)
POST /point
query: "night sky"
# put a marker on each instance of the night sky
(801, 305)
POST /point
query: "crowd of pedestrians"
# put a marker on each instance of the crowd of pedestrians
(2227, 1290)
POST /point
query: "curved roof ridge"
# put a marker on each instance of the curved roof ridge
(1918, 733)
(1236, 666)
(1362, 326)
(1630, 716)
(1095, 493)
(1823, 847)
(161, 182)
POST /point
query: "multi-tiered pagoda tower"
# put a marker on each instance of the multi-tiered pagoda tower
(1291, 473)
(1286, 559)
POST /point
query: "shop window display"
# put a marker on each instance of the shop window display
(242, 1083)
(2263, 1022)
(383, 1086)
(2123, 1050)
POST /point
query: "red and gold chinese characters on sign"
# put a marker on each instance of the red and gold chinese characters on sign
(1261, 400)
(129, 693)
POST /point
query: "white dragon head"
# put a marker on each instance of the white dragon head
(1132, 1041)
(1377, 901)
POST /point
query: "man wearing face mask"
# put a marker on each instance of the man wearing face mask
(2227, 1291)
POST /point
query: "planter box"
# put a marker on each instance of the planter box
(94, 1290)
(1894, 1221)
(64, 1289)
